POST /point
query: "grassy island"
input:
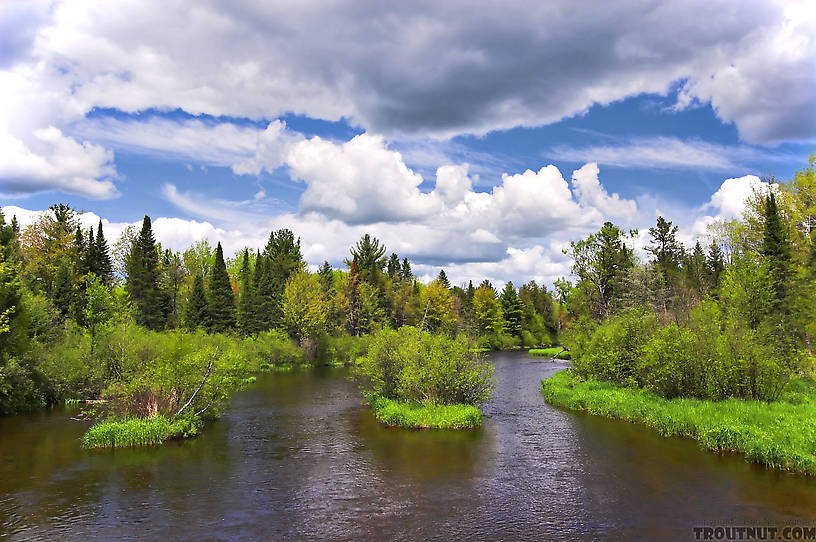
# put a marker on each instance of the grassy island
(780, 434)
(419, 380)
(555, 351)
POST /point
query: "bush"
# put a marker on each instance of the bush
(422, 368)
(342, 349)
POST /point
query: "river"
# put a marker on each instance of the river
(297, 457)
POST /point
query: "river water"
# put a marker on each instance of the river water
(297, 457)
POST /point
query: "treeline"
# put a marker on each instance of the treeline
(65, 290)
(734, 319)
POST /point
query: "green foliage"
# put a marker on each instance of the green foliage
(196, 314)
(220, 299)
(342, 349)
(62, 293)
(143, 279)
(555, 351)
(415, 366)
(304, 311)
(437, 303)
(770, 434)
(512, 310)
(413, 416)
(139, 432)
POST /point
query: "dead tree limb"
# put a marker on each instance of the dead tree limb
(201, 385)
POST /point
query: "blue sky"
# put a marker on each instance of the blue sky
(431, 126)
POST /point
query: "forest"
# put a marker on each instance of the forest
(153, 332)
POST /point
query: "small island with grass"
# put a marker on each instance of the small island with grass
(418, 380)
(554, 352)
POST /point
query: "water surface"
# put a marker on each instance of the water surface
(297, 456)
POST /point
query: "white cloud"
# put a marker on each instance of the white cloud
(54, 161)
(588, 188)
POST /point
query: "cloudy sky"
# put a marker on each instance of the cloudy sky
(477, 138)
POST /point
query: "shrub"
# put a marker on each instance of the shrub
(419, 367)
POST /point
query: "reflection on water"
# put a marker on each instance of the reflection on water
(297, 456)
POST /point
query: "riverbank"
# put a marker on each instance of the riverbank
(411, 416)
(780, 435)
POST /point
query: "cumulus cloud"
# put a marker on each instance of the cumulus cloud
(590, 192)
(55, 161)
(440, 68)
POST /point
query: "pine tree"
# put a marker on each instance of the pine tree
(247, 322)
(664, 247)
(512, 310)
(91, 254)
(62, 291)
(283, 260)
(221, 300)
(195, 313)
(143, 279)
(443, 279)
(80, 255)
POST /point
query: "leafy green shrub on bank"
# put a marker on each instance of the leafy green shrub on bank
(780, 434)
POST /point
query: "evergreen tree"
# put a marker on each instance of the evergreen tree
(104, 264)
(326, 275)
(715, 265)
(265, 291)
(665, 248)
(62, 291)
(393, 265)
(370, 257)
(195, 313)
(512, 310)
(283, 260)
(406, 270)
(80, 254)
(777, 249)
(246, 319)
(443, 279)
(354, 316)
(221, 301)
(694, 267)
(143, 279)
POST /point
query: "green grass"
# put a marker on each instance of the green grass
(138, 432)
(550, 352)
(399, 414)
(780, 435)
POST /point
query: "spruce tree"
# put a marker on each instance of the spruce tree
(393, 265)
(265, 292)
(91, 254)
(443, 279)
(195, 313)
(512, 309)
(62, 291)
(326, 275)
(221, 301)
(143, 279)
(246, 320)
(355, 301)
(715, 265)
(777, 249)
(283, 260)
(104, 264)
(406, 270)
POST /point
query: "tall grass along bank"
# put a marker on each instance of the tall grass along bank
(139, 432)
(554, 352)
(780, 435)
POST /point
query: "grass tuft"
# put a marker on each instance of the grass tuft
(550, 352)
(138, 432)
(780, 435)
(408, 415)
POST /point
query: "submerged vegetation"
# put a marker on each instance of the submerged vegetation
(779, 434)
